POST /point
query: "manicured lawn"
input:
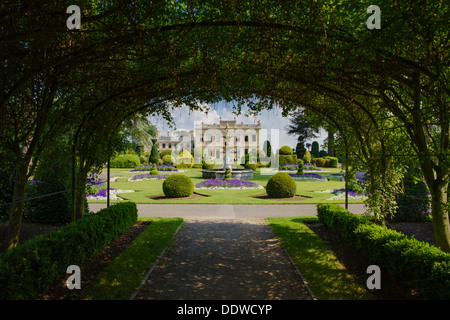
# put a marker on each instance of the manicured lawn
(306, 188)
(327, 277)
(122, 276)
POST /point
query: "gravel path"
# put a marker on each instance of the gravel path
(224, 260)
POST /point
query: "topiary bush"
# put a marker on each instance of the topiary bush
(154, 171)
(167, 159)
(228, 175)
(281, 185)
(154, 154)
(178, 186)
(285, 151)
(251, 166)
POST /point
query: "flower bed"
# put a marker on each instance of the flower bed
(308, 176)
(159, 167)
(227, 184)
(102, 194)
(146, 176)
(339, 194)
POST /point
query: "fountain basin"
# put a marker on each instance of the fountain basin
(241, 174)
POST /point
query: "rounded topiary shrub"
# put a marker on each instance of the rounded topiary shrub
(281, 185)
(285, 150)
(178, 186)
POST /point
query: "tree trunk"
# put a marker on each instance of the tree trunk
(441, 224)
(80, 194)
(15, 216)
(330, 143)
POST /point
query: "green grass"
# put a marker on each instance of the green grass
(143, 189)
(326, 275)
(121, 277)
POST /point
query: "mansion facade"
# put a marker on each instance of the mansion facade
(215, 141)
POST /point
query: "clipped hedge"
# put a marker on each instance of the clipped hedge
(125, 161)
(326, 162)
(413, 262)
(33, 266)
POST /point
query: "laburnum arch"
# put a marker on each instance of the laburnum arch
(371, 85)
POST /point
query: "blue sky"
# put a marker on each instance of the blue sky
(270, 119)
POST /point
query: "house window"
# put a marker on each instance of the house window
(246, 151)
(246, 138)
(164, 145)
(170, 145)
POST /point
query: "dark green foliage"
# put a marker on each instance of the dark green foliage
(323, 153)
(125, 161)
(267, 148)
(6, 189)
(154, 155)
(315, 149)
(413, 204)
(300, 167)
(415, 263)
(281, 185)
(54, 209)
(300, 150)
(178, 186)
(52, 176)
(33, 266)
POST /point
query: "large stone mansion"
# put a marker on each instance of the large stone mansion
(236, 139)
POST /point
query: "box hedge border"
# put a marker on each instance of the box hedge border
(33, 266)
(413, 262)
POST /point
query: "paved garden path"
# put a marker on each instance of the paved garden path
(227, 211)
(224, 260)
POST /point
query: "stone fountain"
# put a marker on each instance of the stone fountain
(219, 173)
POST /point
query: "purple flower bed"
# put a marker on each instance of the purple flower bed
(101, 193)
(220, 183)
(149, 176)
(95, 180)
(351, 193)
(308, 175)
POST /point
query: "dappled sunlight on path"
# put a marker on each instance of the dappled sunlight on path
(225, 259)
